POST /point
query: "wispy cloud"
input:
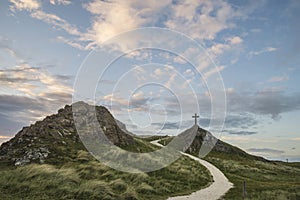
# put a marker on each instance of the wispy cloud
(279, 79)
(246, 139)
(55, 21)
(242, 132)
(213, 71)
(265, 150)
(264, 50)
(32, 81)
(6, 45)
(60, 2)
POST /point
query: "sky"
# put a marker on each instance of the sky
(249, 49)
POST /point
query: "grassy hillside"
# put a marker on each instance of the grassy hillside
(264, 179)
(82, 177)
(85, 178)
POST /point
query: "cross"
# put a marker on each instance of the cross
(195, 116)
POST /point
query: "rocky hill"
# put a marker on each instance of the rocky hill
(219, 147)
(55, 139)
(192, 139)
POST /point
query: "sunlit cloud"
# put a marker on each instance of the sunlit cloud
(25, 4)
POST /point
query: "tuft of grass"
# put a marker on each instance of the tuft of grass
(89, 179)
(264, 179)
(145, 189)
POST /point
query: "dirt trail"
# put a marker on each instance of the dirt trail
(214, 191)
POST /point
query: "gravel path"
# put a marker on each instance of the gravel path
(214, 191)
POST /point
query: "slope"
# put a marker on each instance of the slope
(264, 179)
(48, 161)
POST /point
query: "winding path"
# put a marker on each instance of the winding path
(214, 191)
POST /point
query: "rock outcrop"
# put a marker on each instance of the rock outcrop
(55, 138)
(201, 135)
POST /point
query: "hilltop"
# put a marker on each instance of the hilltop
(54, 139)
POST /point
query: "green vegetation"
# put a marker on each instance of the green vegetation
(85, 178)
(140, 146)
(154, 137)
(166, 140)
(264, 179)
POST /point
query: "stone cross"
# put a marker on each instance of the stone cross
(195, 116)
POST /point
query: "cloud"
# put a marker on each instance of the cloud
(111, 18)
(55, 21)
(235, 40)
(12, 103)
(71, 43)
(173, 125)
(25, 5)
(201, 20)
(246, 139)
(36, 93)
(137, 102)
(265, 150)
(35, 9)
(106, 81)
(271, 103)
(213, 71)
(241, 121)
(21, 110)
(9, 125)
(245, 109)
(167, 125)
(188, 73)
(265, 50)
(255, 30)
(60, 2)
(219, 48)
(4, 139)
(180, 60)
(242, 132)
(32, 81)
(6, 45)
(279, 79)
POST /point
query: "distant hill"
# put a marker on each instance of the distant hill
(220, 146)
(194, 141)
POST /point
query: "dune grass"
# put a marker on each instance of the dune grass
(264, 180)
(85, 178)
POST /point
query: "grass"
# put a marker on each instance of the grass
(264, 180)
(81, 177)
(141, 146)
(85, 178)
